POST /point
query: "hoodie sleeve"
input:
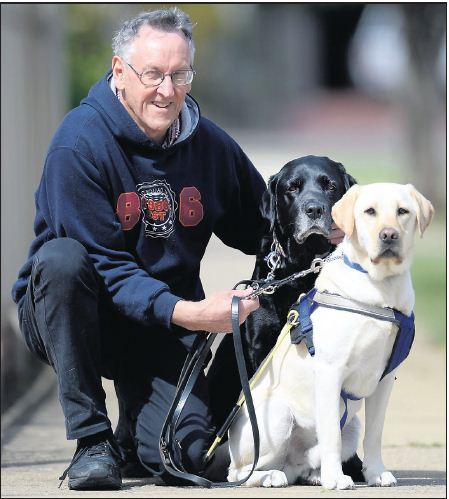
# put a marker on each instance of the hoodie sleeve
(76, 204)
(242, 224)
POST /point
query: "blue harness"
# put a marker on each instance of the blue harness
(302, 329)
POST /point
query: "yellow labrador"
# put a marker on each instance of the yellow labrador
(298, 398)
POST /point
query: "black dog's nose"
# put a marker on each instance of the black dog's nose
(388, 235)
(314, 210)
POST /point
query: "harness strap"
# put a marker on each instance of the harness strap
(339, 302)
(403, 342)
(302, 326)
(345, 396)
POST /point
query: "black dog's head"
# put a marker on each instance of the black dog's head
(300, 197)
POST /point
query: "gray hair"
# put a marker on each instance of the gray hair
(170, 20)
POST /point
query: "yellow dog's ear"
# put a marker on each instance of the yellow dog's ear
(343, 210)
(424, 209)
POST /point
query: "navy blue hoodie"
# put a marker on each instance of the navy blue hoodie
(145, 214)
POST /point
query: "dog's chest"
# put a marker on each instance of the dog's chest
(358, 347)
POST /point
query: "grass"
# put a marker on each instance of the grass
(429, 280)
(367, 171)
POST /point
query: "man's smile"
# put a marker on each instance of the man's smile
(161, 105)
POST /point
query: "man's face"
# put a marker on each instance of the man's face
(153, 108)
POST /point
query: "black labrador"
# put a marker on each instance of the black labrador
(297, 207)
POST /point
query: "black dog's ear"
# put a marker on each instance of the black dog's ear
(348, 180)
(269, 203)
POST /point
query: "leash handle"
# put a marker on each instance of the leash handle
(168, 445)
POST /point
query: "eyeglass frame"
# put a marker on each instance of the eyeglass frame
(139, 75)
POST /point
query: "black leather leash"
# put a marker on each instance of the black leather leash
(169, 447)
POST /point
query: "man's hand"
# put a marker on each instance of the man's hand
(213, 314)
(336, 236)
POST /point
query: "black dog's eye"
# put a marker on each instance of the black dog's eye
(328, 184)
(293, 188)
(370, 211)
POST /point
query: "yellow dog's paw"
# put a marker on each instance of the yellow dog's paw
(340, 482)
(274, 478)
(385, 479)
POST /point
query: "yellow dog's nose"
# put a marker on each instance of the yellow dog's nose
(388, 235)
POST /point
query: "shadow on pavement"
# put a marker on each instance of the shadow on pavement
(130, 483)
(420, 477)
(23, 464)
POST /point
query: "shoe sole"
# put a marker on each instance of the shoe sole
(97, 479)
(95, 483)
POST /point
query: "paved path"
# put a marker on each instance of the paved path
(35, 451)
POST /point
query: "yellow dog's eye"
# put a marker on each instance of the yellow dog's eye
(370, 211)
(402, 211)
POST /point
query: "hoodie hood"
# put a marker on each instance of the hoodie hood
(102, 99)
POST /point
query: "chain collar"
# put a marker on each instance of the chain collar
(269, 286)
(274, 258)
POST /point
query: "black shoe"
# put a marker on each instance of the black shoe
(95, 464)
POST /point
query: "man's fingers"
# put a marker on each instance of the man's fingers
(242, 292)
(245, 306)
(251, 304)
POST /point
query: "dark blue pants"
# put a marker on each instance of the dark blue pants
(68, 320)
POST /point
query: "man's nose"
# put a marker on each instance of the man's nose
(166, 88)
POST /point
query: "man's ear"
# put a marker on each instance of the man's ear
(118, 72)
(343, 210)
(423, 207)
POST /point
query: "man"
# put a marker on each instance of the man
(134, 184)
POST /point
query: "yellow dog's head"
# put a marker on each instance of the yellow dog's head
(379, 221)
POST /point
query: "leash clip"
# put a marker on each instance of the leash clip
(292, 318)
(164, 449)
(317, 265)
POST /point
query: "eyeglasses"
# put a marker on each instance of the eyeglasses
(153, 78)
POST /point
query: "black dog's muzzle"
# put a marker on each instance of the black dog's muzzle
(313, 209)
